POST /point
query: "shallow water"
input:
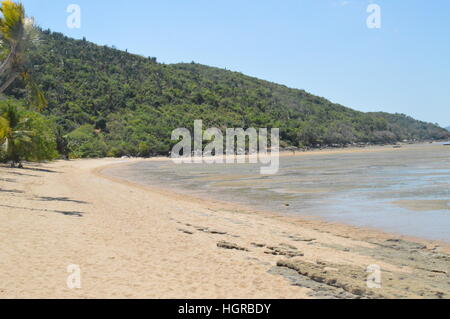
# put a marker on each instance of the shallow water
(405, 191)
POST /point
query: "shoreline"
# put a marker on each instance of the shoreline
(180, 193)
(323, 151)
(340, 227)
(134, 241)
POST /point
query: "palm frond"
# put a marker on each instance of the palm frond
(12, 30)
(11, 24)
(17, 34)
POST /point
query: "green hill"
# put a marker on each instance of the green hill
(110, 102)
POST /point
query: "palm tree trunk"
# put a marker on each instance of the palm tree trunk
(8, 82)
(9, 59)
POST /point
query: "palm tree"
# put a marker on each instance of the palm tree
(15, 139)
(17, 34)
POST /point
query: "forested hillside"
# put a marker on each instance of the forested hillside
(110, 102)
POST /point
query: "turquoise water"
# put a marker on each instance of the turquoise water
(405, 191)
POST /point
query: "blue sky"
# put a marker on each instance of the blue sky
(322, 46)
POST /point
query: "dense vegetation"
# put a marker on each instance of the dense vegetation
(25, 134)
(108, 102)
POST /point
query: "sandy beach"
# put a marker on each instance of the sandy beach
(132, 241)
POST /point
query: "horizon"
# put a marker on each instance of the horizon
(347, 63)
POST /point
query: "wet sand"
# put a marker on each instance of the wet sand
(403, 191)
(133, 241)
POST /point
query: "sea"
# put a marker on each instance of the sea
(398, 190)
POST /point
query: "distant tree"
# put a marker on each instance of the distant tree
(85, 142)
(62, 144)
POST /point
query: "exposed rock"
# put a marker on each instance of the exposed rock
(185, 231)
(258, 245)
(318, 290)
(217, 232)
(227, 245)
(283, 251)
(402, 244)
(209, 231)
(351, 279)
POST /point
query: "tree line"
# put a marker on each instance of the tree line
(105, 102)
